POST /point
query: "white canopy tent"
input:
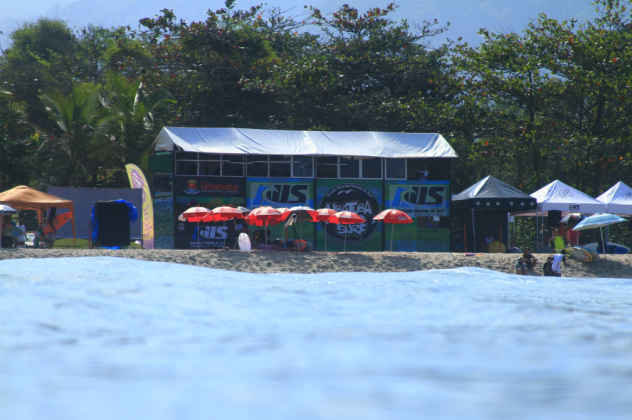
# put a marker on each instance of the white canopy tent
(561, 197)
(240, 141)
(618, 199)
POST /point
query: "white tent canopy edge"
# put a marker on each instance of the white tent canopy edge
(618, 199)
(309, 143)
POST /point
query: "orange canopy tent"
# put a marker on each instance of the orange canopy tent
(26, 198)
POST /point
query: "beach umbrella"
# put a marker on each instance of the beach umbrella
(346, 218)
(323, 215)
(303, 213)
(195, 214)
(222, 214)
(599, 221)
(394, 217)
(264, 216)
(5, 211)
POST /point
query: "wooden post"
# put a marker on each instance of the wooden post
(464, 239)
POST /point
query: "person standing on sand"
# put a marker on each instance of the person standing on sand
(456, 234)
(556, 266)
(545, 235)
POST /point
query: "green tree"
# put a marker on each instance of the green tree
(81, 135)
(362, 74)
(137, 123)
(202, 63)
(17, 144)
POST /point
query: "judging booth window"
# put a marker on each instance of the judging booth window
(206, 164)
(327, 167)
(257, 166)
(395, 168)
(303, 167)
(371, 168)
(348, 167)
(186, 163)
(280, 166)
(210, 165)
(232, 165)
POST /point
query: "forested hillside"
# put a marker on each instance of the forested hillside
(551, 102)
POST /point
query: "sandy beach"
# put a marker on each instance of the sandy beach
(616, 266)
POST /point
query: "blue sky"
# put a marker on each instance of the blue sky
(466, 16)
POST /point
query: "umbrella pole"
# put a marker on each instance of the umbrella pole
(325, 230)
(226, 235)
(603, 244)
(198, 233)
(266, 233)
(473, 231)
(344, 249)
(392, 229)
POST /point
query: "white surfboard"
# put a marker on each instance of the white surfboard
(12, 231)
(612, 248)
(244, 242)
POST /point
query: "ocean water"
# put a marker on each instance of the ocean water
(108, 338)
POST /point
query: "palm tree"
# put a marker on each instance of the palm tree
(136, 115)
(83, 123)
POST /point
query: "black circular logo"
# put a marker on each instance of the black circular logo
(354, 198)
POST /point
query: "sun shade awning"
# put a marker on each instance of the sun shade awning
(561, 197)
(618, 199)
(237, 141)
(490, 193)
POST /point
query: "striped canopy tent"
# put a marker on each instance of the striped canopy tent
(26, 198)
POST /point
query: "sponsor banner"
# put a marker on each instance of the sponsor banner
(279, 193)
(419, 198)
(205, 186)
(283, 192)
(363, 197)
(216, 235)
(137, 180)
(163, 211)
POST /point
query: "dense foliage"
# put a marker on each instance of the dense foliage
(550, 102)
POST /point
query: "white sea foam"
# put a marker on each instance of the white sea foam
(105, 338)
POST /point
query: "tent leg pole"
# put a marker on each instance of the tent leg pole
(603, 244)
(473, 231)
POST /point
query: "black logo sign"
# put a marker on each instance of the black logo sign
(354, 198)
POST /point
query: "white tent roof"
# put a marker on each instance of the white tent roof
(559, 196)
(312, 143)
(618, 199)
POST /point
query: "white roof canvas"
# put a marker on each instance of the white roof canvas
(233, 141)
(618, 199)
(559, 196)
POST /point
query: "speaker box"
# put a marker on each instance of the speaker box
(114, 227)
(554, 218)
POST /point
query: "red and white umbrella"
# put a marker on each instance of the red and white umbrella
(195, 214)
(323, 215)
(345, 218)
(264, 216)
(222, 214)
(395, 217)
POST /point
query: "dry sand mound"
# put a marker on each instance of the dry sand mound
(616, 266)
